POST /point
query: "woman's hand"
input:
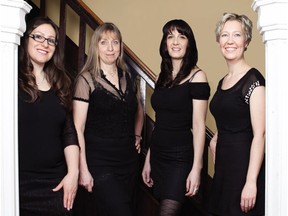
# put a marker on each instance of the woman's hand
(138, 143)
(248, 196)
(86, 180)
(69, 184)
(147, 171)
(193, 182)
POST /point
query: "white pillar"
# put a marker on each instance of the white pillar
(12, 27)
(273, 26)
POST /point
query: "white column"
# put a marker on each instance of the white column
(273, 26)
(12, 27)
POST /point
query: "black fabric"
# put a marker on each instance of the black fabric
(172, 139)
(110, 140)
(38, 199)
(231, 111)
(114, 194)
(110, 111)
(45, 130)
(169, 208)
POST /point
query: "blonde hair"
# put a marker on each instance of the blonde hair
(246, 24)
(93, 60)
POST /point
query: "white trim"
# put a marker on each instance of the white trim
(12, 28)
(273, 26)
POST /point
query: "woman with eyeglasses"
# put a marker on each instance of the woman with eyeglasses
(48, 144)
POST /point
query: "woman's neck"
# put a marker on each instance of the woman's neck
(110, 70)
(239, 67)
(176, 64)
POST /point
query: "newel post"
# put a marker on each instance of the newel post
(12, 18)
(273, 26)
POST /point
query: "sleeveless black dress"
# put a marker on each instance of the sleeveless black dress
(230, 109)
(171, 148)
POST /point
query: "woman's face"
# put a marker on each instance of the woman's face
(109, 48)
(41, 52)
(232, 41)
(176, 44)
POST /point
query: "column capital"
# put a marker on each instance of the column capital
(12, 18)
(272, 19)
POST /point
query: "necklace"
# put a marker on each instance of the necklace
(174, 73)
(113, 72)
(38, 83)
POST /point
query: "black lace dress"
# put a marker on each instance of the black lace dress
(230, 109)
(109, 135)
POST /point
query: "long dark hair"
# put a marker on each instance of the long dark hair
(190, 58)
(55, 72)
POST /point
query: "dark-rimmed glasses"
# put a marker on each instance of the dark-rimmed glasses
(41, 39)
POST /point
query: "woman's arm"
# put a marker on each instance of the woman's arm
(257, 111)
(80, 110)
(212, 145)
(198, 124)
(147, 171)
(139, 119)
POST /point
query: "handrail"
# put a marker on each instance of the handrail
(146, 76)
(91, 18)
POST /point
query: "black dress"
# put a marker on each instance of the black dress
(171, 151)
(230, 109)
(45, 130)
(111, 155)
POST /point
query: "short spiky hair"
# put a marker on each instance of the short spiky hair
(246, 23)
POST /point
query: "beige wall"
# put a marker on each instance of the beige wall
(141, 22)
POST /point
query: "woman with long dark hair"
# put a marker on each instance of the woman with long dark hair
(48, 144)
(174, 161)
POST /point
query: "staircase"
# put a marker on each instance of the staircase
(147, 204)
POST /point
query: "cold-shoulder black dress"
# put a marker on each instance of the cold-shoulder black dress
(230, 109)
(171, 151)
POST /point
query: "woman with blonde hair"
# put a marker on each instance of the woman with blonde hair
(238, 107)
(108, 117)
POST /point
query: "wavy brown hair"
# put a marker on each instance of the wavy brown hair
(54, 69)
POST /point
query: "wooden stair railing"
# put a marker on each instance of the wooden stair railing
(138, 68)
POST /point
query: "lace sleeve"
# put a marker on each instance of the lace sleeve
(69, 132)
(82, 88)
(255, 80)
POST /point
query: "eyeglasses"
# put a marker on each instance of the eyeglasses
(41, 39)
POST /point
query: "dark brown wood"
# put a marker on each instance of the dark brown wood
(43, 8)
(93, 21)
(62, 24)
(82, 42)
(75, 55)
